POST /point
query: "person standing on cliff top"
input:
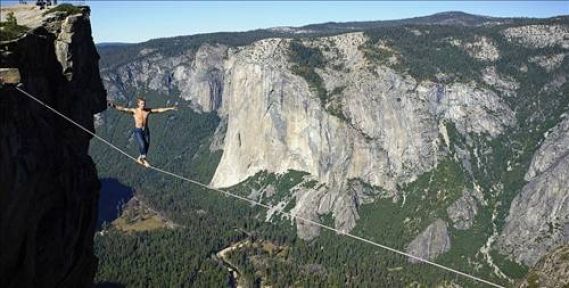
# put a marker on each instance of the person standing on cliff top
(141, 132)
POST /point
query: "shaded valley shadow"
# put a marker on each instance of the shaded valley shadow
(113, 195)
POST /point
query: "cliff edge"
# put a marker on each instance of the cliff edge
(49, 187)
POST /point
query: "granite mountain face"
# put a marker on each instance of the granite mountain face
(460, 119)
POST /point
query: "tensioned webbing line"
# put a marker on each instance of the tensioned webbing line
(292, 215)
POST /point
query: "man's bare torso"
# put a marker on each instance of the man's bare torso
(141, 113)
(141, 117)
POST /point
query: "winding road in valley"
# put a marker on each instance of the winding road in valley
(223, 255)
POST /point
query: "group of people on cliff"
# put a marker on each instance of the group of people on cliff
(41, 3)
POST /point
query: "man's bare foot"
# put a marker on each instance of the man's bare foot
(144, 162)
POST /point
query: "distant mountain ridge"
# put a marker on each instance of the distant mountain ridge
(114, 54)
(443, 18)
(112, 44)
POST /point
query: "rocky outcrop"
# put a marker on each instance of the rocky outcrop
(539, 36)
(430, 243)
(482, 48)
(475, 110)
(554, 147)
(506, 85)
(551, 271)
(555, 84)
(538, 220)
(463, 211)
(306, 200)
(204, 82)
(548, 62)
(49, 188)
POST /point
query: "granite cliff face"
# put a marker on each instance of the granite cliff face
(49, 188)
(538, 220)
(198, 76)
(551, 271)
(390, 133)
(431, 243)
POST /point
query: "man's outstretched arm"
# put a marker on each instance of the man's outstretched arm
(160, 110)
(120, 108)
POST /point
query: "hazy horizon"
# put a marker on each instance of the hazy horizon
(146, 20)
(337, 22)
(151, 20)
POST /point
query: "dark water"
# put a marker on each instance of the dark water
(113, 195)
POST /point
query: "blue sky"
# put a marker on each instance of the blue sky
(137, 21)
